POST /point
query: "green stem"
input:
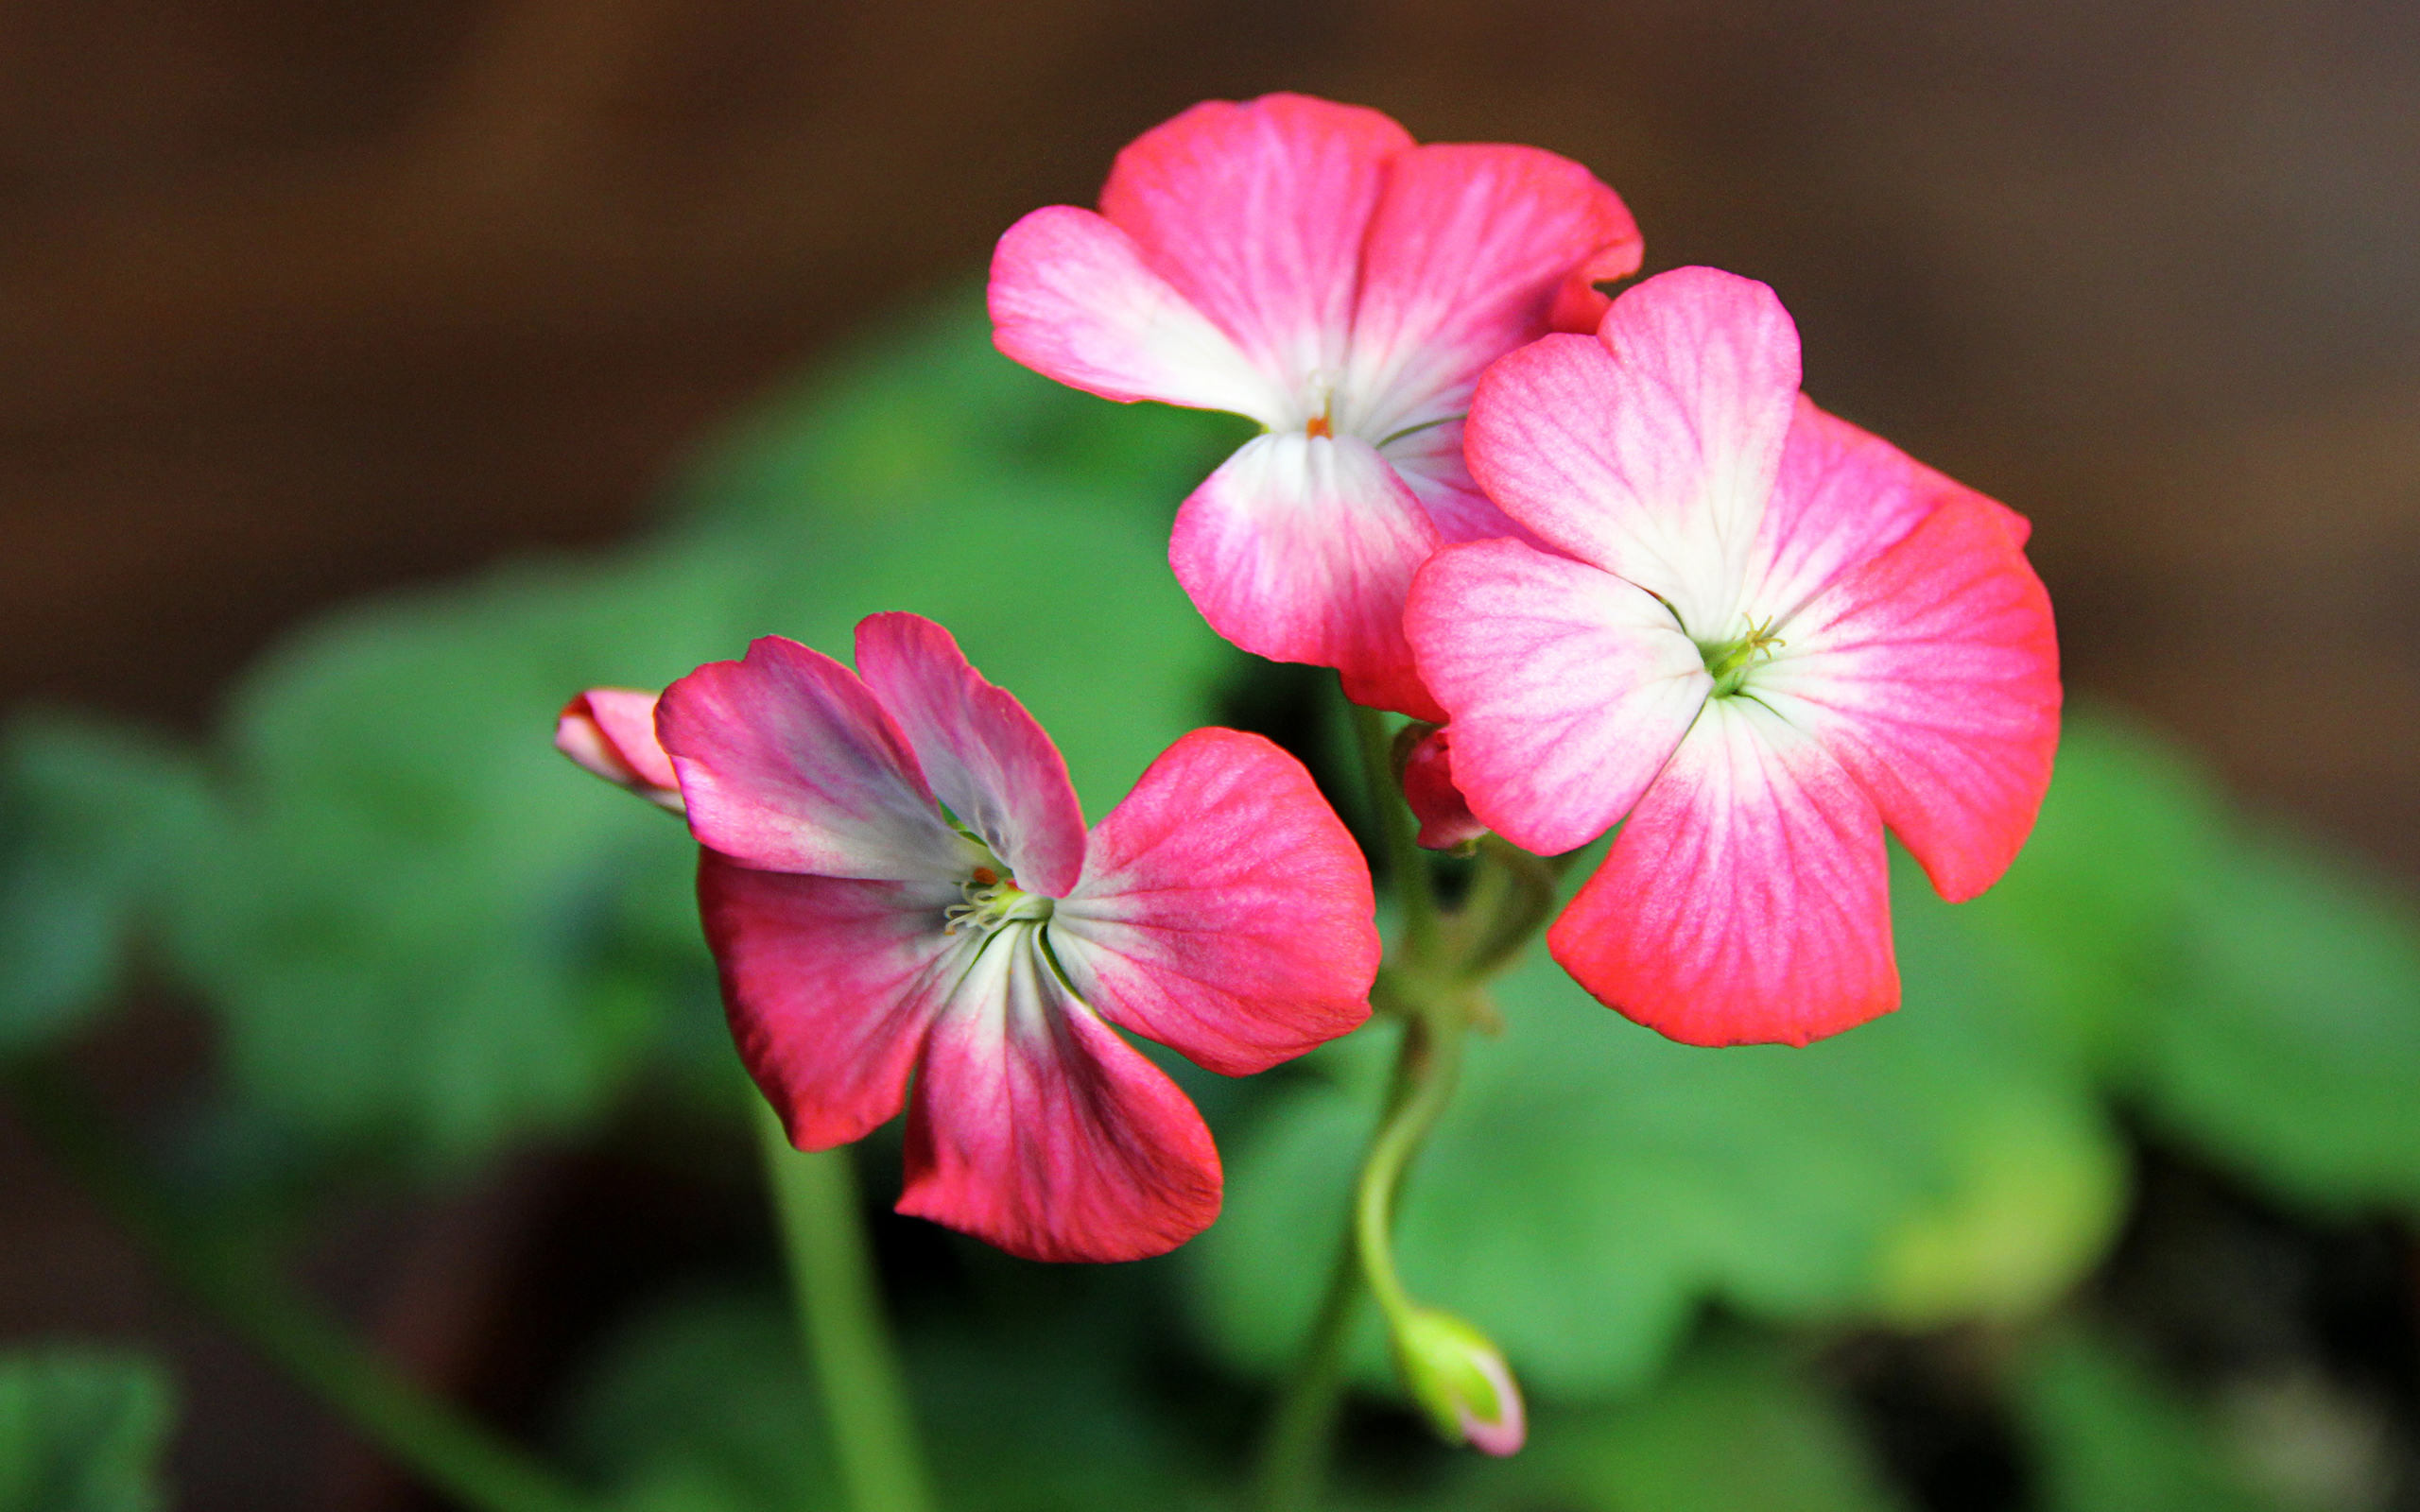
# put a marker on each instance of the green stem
(1293, 1454)
(1429, 1064)
(840, 1323)
(1407, 864)
(234, 1280)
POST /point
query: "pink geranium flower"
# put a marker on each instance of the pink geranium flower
(1768, 634)
(1306, 264)
(898, 884)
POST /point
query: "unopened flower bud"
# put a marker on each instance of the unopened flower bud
(610, 732)
(1460, 1381)
(1427, 766)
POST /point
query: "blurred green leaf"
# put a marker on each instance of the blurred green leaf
(702, 1404)
(2293, 1052)
(2109, 1438)
(81, 1430)
(1735, 1427)
(427, 932)
(95, 823)
(1593, 1183)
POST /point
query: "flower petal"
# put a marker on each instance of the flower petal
(1256, 213)
(1568, 687)
(1470, 251)
(1299, 548)
(984, 755)
(1931, 674)
(1842, 497)
(788, 763)
(1224, 911)
(610, 733)
(1072, 299)
(1745, 902)
(1651, 451)
(829, 984)
(1035, 1128)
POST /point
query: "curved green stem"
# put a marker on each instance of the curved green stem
(234, 1280)
(1431, 1060)
(840, 1323)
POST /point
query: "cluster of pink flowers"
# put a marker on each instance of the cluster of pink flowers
(1605, 547)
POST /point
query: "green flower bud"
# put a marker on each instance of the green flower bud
(1460, 1381)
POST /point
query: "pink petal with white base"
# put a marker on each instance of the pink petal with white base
(787, 763)
(983, 754)
(1256, 214)
(829, 985)
(610, 733)
(1744, 901)
(1651, 451)
(1931, 673)
(1299, 548)
(1072, 299)
(1470, 251)
(1035, 1128)
(1568, 687)
(1843, 496)
(1224, 910)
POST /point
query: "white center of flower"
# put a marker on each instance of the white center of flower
(991, 901)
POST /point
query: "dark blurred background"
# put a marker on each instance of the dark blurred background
(298, 301)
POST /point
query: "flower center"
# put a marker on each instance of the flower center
(991, 901)
(1729, 663)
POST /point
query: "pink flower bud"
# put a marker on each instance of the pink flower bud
(1446, 820)
(1460, 1381)
(610, 732)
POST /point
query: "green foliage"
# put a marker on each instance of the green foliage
(2108, 1437)
(2293, 1052)
(702, 1404)
(1736, 1427)
(1595, 1182)
(95, 822)
(81, 1430)
(427, 933)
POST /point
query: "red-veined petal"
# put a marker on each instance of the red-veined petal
(1035, 1128)
(1471, 249)
(1745, 902)
(1256, 213)
(1568, 687)
(829, 984)
(1931, 673)
(1072, 299)
(1225, 911)
(787, 763)
(1299, 548)
(983, 754)
(1652, 450)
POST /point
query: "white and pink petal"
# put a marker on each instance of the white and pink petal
(1745, 900)
(1568, 687)
(1301, 548)
(1035, 1128)
(829, 985)
(787, 763)
(983, 754)
(1224, 911)
(1931, 674)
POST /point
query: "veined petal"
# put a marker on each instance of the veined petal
(984, 755)
(1470, 251)
(1429, 461)
(787, 763)
(1843, 496)
(1568, 687)
(1035, 1128)
(1224, 911)
(1072, 299)
(829, 984)
(1651, 451)
(1745, 902)
(1256, 214)
(1299, 548)
(1931, 674)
